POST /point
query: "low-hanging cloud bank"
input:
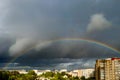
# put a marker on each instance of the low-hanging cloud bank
(62, 49)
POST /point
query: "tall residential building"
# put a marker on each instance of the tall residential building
(107, 69)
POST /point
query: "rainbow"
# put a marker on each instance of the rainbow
(70, 39)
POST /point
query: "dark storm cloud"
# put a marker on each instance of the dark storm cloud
(29, 23)
(110, 8)
(5, 43)
(55, 55)
(74, 50)
(44, 20)
(41, 17)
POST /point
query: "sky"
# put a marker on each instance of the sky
(32, 31)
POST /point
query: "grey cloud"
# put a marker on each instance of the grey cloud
(41, 17)
(43, 21)
(21, 46)
(98, 22)
(73, 50)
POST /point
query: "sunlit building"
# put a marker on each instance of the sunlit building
(107, 69)
(39, 72)
(63, 70)
(83, 72)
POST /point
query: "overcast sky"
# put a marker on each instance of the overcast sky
(25, 26)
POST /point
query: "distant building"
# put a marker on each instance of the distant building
(22, 71)
(87, 73)
(107, 69)
(74, 73)
(39, 72)
(83, 72)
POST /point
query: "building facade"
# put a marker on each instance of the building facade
(107, 69)
(83, 72)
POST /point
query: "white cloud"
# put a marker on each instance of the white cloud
(21, 46)
(98, 22)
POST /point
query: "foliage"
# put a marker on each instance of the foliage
(4, 75)
(15, 75)
(59, 76)
(31, 72)
(83, 78)
(91, 78)
(48, 74)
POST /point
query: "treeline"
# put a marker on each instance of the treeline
(15, 75)
(31, 75)
(63, 76)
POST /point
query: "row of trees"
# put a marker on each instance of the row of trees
(31, 75)
(15, 75)
(63, 76)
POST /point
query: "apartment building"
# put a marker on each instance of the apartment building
(83, 72)
(107, 69)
